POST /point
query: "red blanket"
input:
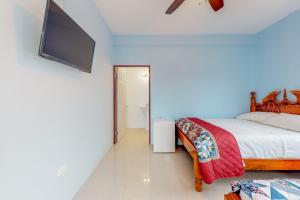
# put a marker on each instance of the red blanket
(218, 151)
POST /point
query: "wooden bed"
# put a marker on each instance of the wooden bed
(232, 196)
(269, 104)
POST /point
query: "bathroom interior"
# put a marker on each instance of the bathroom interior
(132, 100)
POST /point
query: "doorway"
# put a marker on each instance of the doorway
(132, 100)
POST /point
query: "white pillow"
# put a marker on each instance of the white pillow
(285, 121)
(257, 116)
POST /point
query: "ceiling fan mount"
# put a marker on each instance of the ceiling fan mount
(215, 4)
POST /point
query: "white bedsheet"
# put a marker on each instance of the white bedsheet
(257, 140)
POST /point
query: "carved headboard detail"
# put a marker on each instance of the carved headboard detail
(271, 104)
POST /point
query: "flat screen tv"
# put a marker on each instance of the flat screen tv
(64, 41)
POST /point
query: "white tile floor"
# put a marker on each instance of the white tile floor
(130, 171)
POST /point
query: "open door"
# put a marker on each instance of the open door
(120, 100)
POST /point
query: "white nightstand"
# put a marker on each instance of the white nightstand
(163, 135)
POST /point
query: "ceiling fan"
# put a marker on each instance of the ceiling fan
(215, 4)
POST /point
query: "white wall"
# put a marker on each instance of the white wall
(137, 89)
(50, 114)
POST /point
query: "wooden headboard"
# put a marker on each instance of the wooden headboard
(271, 103)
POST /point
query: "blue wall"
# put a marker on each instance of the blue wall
(211, 76)
(278, 54)
(51, 115)
(204, 76)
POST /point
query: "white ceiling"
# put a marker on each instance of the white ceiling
(146, 17)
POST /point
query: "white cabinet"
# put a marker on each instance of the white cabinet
(163, 136)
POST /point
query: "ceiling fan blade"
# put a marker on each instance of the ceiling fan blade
(216, 4)
(174, 6)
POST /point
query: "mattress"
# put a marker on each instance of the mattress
(261, 141)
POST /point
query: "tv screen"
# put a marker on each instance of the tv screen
(65, 41)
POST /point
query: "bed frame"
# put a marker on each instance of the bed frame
(232, 196)
(269, 104)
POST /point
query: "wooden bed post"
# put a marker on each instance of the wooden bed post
(297, 94)
(253, 102)
(197, 173)
(194, 154)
